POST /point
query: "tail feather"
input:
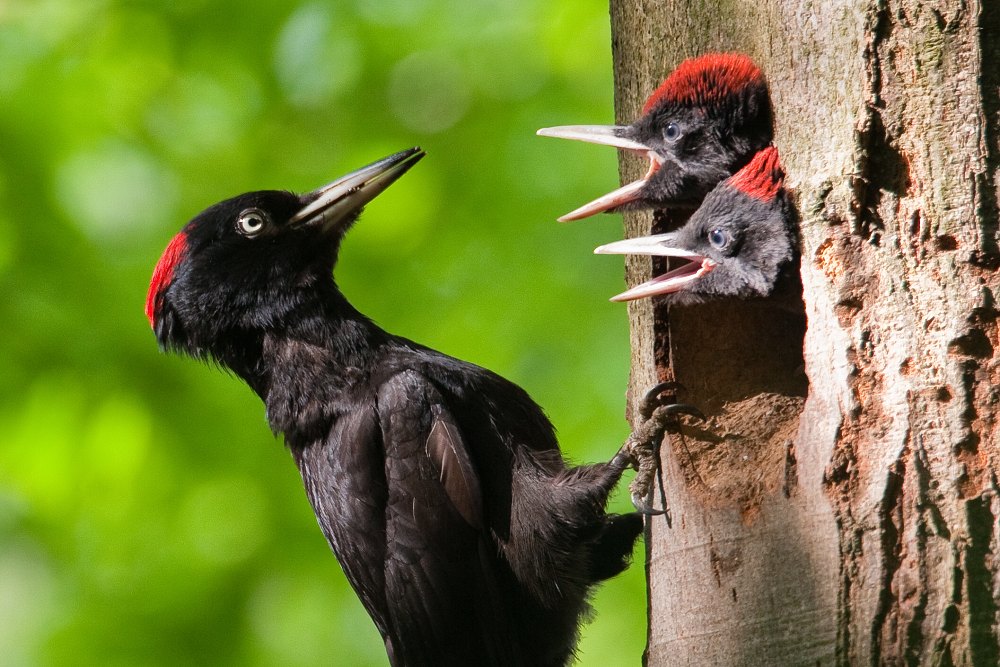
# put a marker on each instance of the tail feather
(612, 550)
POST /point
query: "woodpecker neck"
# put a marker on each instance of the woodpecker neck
(306, 370)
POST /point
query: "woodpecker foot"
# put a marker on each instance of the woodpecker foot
(643, 445)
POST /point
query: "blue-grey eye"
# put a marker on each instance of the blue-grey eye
(672, 132)
(718, 238)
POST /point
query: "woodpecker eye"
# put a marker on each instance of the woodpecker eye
(251, 222)
(672, 132)
(718, 238)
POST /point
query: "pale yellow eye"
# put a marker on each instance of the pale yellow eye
(251, 222)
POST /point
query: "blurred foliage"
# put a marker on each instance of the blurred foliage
(147, 514)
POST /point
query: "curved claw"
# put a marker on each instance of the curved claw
(642, 508)
(669, 385)
(680, 409)
(650, 401)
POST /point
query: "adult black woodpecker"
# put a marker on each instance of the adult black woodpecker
(438, 484)
(741, 242)
(704, 122)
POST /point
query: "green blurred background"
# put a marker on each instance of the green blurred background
(147, 514)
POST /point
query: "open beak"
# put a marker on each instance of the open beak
(340, 200)
(608, 135)
(696, 266)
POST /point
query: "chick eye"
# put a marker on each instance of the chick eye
(718, 238)
(672, 132)
(251, 222)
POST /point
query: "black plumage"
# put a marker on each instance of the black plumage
(438, 484)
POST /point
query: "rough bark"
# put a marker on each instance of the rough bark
(850, 519)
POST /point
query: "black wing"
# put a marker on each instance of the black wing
(345, 480)
(401, 503)
(448, 589)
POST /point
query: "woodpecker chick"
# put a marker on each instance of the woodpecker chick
(704, 122)
(737, 244)
(438, 484)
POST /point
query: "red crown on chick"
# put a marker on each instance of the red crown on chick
(762, 177)
(704, 80)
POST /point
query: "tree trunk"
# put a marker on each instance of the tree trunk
(840, 505)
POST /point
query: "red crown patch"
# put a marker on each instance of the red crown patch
(706, 79)
(762, 177)
(164, 272)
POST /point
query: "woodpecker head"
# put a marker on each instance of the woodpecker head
(735, 245)
(241, 266)
(704, 122)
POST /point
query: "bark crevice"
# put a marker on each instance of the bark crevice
(890, 525)
(980, 568)
(987, 255)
